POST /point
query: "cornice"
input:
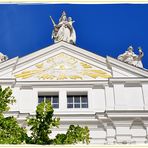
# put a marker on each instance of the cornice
(127, 113)
(63, 46)
(133, 69)
(7, 81)
(67, 83)
(7, 64)
(127, 80)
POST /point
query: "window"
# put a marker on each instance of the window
(74, 101)
(53, 99)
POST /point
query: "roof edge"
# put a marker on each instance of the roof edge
(126, 66)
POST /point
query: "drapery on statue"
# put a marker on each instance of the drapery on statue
(64, 31)
(131, 58)
(3, 57)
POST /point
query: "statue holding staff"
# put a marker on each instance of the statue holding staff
(64, 31)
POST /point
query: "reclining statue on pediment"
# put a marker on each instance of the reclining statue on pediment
(3, 57)
(131, 58)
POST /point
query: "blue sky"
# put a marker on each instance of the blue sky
(105, 29)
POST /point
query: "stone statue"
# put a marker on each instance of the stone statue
(131, 58)
(3, 57)
(64, 31)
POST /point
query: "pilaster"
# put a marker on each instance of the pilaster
(62, 99)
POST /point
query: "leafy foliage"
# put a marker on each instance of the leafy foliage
(74, 135)
(42, 123)
(5, 99)
(10, 131)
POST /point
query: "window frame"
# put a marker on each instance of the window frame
(80, 103)
(50, 98)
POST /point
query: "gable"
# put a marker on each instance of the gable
(62, 67)
(63, 61)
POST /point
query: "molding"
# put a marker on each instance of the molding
(80, 51)
(127, 80)
(9, 63)
(79, 120)
(37, 53)
(16, 114)
(7, 81)
(78, 83)
(127, 113)
(122, 117)
(74, 114)
(61, 46)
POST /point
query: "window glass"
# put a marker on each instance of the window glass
(41, 99)
(84, 105)
(55, 105)
(77, 106)
(70, 99)
(77, 101)
(84, 99)
(69, 105)
(53, 99)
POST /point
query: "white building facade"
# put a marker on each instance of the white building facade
(105, 94)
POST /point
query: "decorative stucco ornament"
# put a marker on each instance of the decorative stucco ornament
(131, 58)
(3, 57)
(63, 67)
(64, 31)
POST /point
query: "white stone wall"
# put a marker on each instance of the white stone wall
(115, 97)
(117, 112)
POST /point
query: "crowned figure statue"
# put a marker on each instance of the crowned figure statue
(3, 57)
(131, 58)
(64, 31)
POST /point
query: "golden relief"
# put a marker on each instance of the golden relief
(46, 76)
(75, 77)
(63, 67)
(85, 65)
(40, 65)
(62, 77)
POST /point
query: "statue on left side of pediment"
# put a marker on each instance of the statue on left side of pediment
(3, 57)
(131, 58)
(64, 30)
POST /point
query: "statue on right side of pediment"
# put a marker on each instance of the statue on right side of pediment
(3, 57)
(131, 58)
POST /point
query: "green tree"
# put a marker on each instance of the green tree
(6, 98)
(10, 131)
(42, 123)
(74, 135)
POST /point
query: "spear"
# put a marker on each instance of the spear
(54, 24)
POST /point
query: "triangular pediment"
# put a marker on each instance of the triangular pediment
(62, 66)
(63, 61)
